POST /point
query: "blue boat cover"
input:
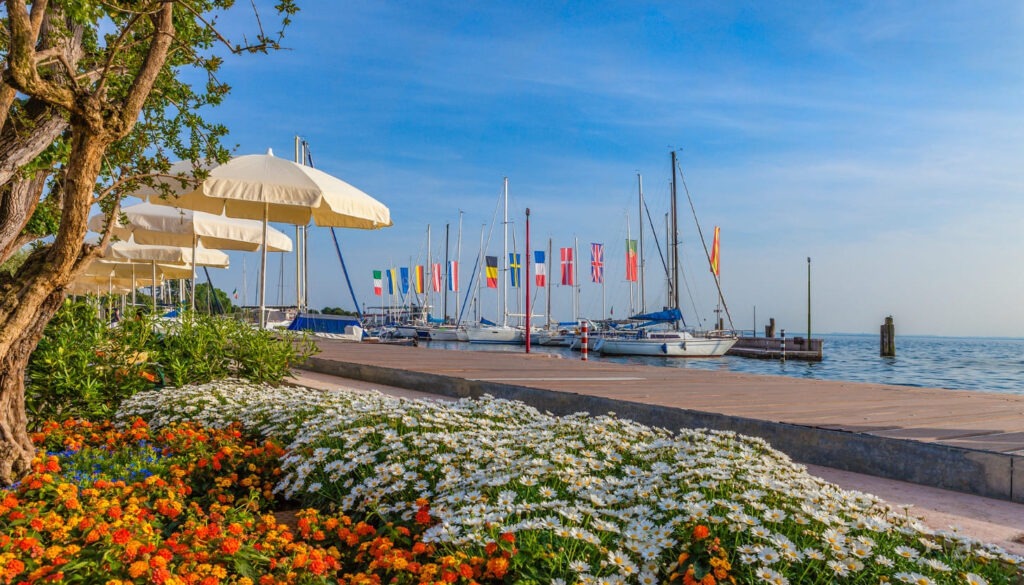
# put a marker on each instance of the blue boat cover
(433, 319)
(322, 323)
(667, 315)
(485, 321)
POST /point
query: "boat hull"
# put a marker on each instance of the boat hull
(495, 335)
(693, 347)
(444, 334)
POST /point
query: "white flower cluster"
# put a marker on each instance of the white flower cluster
(615, 501)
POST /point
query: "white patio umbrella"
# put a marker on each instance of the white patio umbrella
(146, 223)
(264, 187)
(175, 255)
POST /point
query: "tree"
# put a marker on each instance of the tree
(218, 303)
(95, 100)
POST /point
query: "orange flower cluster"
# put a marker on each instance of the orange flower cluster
(205, 521)
(705, 563)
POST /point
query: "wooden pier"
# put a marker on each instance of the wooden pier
(771, 348)
(967, 441)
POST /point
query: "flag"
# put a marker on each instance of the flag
(435, 277)
(453, 275)
(597, 263)
(514, 269)
(714, 253)
(378, 285)
(392, 279)
(234, 293)
(492, 272)
(418, 282)
(404, 272)
(567, 266)
(539, 268)
(631, 261)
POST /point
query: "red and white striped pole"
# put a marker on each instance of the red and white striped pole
(584, 342)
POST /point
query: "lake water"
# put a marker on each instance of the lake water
(960, 363)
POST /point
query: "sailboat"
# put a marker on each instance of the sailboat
(489, 332)
(648, 340)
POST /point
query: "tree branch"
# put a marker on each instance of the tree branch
(163, 36)
(21, 71)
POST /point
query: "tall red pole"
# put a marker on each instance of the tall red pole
(527, 283)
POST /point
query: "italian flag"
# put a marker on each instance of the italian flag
(378, 285)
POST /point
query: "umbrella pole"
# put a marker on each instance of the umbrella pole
(192, 303)
(263, 268)
(133, 286)
(153, 287)
(298, 268)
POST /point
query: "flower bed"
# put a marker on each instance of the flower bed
(578, 498)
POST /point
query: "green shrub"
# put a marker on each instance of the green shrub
(84, 368)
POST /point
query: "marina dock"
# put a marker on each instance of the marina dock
(777, 348)
(971, 442)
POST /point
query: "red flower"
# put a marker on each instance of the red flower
(230, 546)
(700, 532)
(122, 536)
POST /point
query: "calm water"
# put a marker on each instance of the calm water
(961, 363)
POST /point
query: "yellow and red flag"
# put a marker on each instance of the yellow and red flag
(418, 280)
(714, 253)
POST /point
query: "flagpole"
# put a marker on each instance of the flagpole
(455, 275)
(627, 266)
(528, 308)
(575, 279)
(547, 296)
(445, 272)
(426, 291)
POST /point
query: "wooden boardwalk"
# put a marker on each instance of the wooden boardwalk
(986, 422)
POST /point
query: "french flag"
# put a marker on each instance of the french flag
(453, 275)
(539, 269)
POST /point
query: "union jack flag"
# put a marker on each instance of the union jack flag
(597, 263)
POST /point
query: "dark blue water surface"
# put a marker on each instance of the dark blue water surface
(959, 363)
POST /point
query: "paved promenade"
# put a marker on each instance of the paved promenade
(966, 441)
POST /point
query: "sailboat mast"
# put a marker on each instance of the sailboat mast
(480, 281)
(675, 238)
(640, 188)
(444, 286)
(631, 290)
(458, 266)
(504, 262)
(425, 310)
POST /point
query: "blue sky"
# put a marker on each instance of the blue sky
(884, 140)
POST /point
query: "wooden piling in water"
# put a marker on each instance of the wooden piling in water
(769, 329)
(888, 338)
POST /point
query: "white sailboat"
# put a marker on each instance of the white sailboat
(650, 341)
(492, 332)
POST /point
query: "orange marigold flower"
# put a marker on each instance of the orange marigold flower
(491, 548)
(700, 532)
(497, 567)
(13, 568)
(122, 536)
(508, 537)
(137, 568)
(230, 546)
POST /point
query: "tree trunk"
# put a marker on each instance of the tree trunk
(16, 449)
(30, 299)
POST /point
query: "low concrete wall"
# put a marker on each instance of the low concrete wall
(983, 473)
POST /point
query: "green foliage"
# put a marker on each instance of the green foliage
(339, 311)
(15, 261)
(264, 356)
(217, 303)
(84, 368)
